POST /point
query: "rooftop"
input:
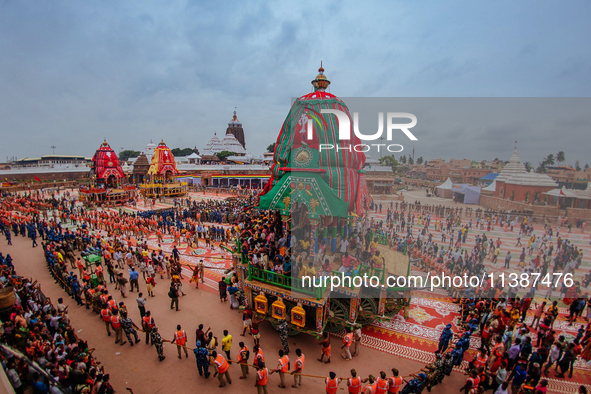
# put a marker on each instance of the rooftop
(514, 173)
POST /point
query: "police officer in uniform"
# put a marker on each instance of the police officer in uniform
(283, 329)
(156, 340)
(434, 372)
(202, 357)
(129, 328)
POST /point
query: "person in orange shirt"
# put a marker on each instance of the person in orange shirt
(283, 366)
(80, 266)
(180, 338)
(347, 342)
(354, 383)
(332, 383)
(262, 378)
(221, 368)
(382, 383)
(299, 367)
(106, 316)
(148, 324)
(116, 325)
(396, 382)
(99, 273)
(242, 359)
(371, 387)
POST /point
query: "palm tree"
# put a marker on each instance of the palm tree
(560, 157)
(528, 166)
(550, 159)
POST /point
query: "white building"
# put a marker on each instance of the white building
(228, 143)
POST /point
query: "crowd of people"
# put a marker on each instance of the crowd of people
(56, 358)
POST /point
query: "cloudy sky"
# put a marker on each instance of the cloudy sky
(75, 72)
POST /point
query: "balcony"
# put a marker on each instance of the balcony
(286, 282)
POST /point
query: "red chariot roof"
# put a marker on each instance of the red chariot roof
(105, 163)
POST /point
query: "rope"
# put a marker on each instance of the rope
(297, 373)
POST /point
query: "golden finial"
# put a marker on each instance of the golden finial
(321, 82)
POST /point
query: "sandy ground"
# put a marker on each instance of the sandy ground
(396, 263)
(138, 367)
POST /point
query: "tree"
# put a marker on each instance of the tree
(124, 155)
(178, 152)
(410, 161)
(420, 160)
(271, 148)
(586, 166)
(528, 166)
(577, 166)
(403, 159)
(390, 161)
(224, 154)
(549, 160)
(560, 157)
(542, 167)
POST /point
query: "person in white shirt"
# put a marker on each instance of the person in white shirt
(13, 376)
(344, 245)
(504, 389)
(119, 258)
(553, 357)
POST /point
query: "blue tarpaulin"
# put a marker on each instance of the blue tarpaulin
(489, 178)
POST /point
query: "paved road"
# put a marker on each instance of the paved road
(138, 367)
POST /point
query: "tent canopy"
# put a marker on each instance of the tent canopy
(447, 185)
(492, 187)
(444, 190)
(471, 193)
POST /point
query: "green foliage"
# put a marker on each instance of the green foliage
(403, 159)
(420, 160)
(271, 148)
(124, 155)
(390, 161)
(528, 166)
(224, 154)
(560, 157)
(550, 160)
(541, 168)
(178, 152)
